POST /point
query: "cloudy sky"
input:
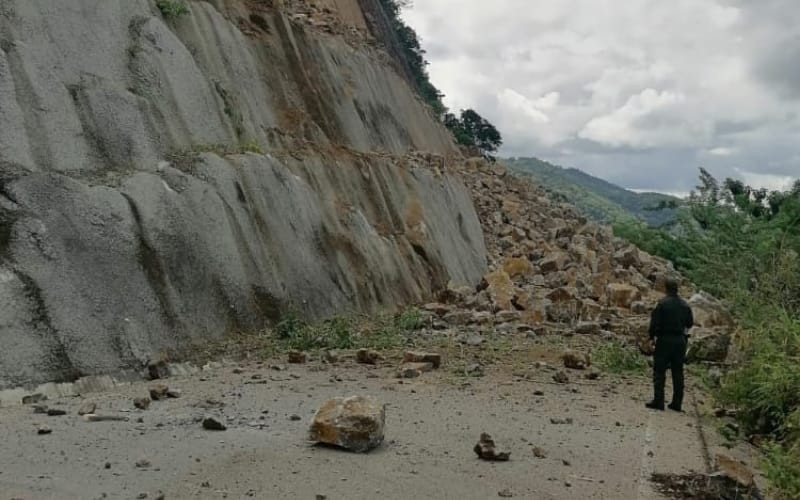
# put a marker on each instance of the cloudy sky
(639, 92)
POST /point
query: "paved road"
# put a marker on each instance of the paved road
(607, 452)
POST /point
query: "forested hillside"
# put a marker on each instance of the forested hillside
(598, 199)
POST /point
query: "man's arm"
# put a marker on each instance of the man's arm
(655, 322)
(689, 320)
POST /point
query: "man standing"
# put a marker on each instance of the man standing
(669, 326)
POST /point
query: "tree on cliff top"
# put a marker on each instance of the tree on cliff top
(473, 130)
(469, 129)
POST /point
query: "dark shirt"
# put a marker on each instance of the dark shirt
(672, 317)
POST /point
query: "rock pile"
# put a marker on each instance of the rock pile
(550, 269)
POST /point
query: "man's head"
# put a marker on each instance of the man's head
(671, 286)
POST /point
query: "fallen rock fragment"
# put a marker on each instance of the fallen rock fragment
(157, 368)
(297, 357)
(212, 424)
(92, 417)
(40, 409)
(485, 449)
(355, 423)
(174, 393)
(576, 360)
(33, 398)
(142, 403)
(561, 377)
(423, 357)
(538, 452)
(505, 493)
(87, 407)
(561, 421)
(368, 356)
(734, 470)
(43, 429)
(158, 391)
(414, 370)
(55, 412)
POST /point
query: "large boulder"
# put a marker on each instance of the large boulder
(501, 289)
(709, 344)
(622, 295)
(709, 312)
(355, 423)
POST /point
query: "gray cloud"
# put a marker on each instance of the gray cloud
(641, 94)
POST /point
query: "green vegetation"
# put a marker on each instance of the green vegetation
(617, 357)
(383, 332)
(598, 199)
(742, 245)
(473, 130)
(469, 129)
(172, 9)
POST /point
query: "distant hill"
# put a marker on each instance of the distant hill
(598, 199)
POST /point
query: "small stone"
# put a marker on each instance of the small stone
(413, 370)
(474, 370)
(55, 412)
(561, 377)
(485, 449)
(321, 497)
(43, 429)
(538, 392)
(294, 417)
(87, 407)
(561, 421)
(107, 465)
(158, 391)
(41, 409)
(212, 424)
(506, 493)
(566, 462)
(331, 357)
(423, 357)
(368, 356)
(157, 368)
(539, 453)
(297, 357)
(174, 393)
(142, 403)
(143, 463)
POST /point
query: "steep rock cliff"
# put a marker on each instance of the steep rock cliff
(165, 181)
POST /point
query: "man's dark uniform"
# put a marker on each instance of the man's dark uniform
(669, 325)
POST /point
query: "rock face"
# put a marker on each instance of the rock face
(355, 423)
(163, 181)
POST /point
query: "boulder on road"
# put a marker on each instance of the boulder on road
(355, 423)
(485, 449)
(709, 312)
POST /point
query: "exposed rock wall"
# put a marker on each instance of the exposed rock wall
(163, 182)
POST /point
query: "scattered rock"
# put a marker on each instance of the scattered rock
(592, 375)
(43, 429)
(297, 357)
(474, 370)
(55, 412)
(639, 307)
(354, 423)
(87, 407)
(414, 370)
(368, 356)
(92, 417)
(506, 493)
(423, 357)
(709, 312)
(158, 391)
(734, 470)
(539, 453)
(142, 463)
(561, 421)
(157, 368)
(174, 393)
(588, 328)
(707, 344)
(40, 409)
(485, 449)
(561, 377)
(212, 424)
(576, 361)
(33, 399)
(473, 340)
(295, 417)
(142, 403)
(331, 357)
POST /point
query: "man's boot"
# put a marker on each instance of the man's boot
(655, 405)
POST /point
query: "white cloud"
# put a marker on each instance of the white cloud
(720, 151)
(770, 182)
(638, 91)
